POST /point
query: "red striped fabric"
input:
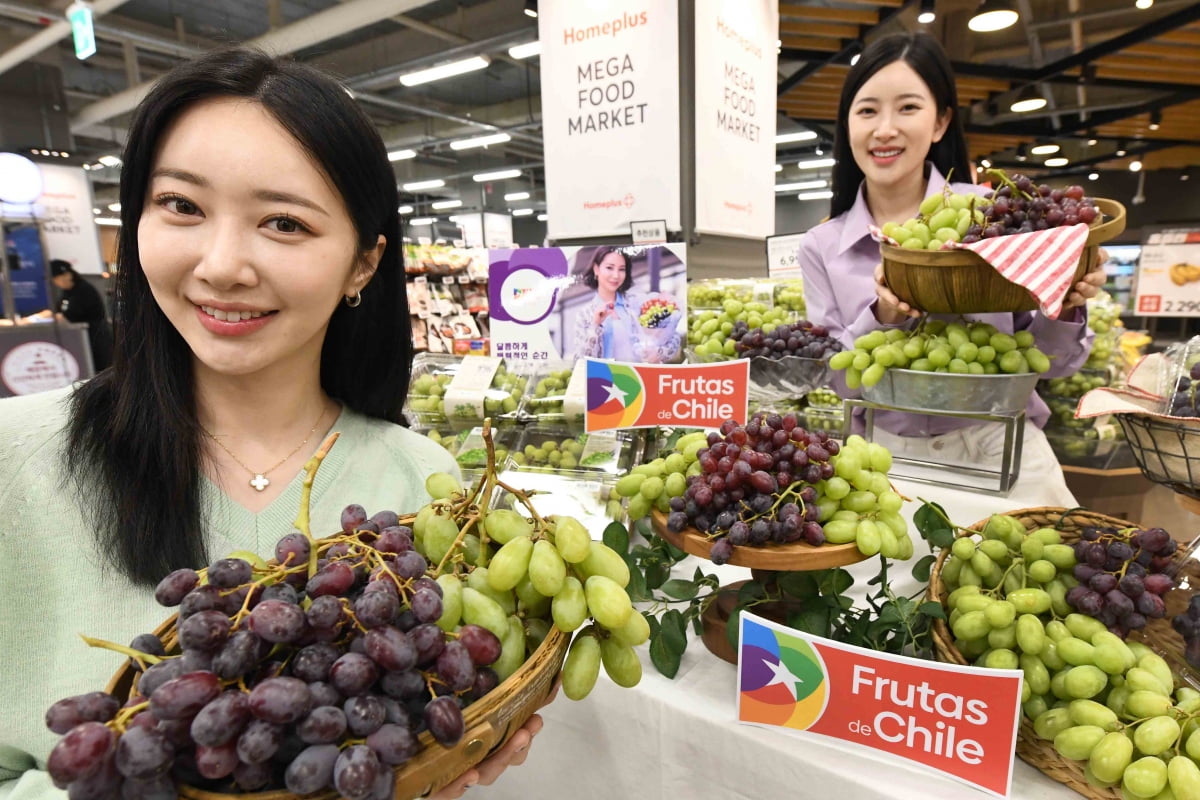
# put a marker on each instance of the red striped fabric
(1043, 262)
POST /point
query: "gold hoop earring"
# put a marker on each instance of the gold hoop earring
(355, 301)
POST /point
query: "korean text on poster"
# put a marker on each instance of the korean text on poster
(1168, 277)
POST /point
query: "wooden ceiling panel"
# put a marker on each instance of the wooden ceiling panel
(811, 43)
(820, 29)
(853, 15)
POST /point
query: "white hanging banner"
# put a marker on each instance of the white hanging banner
(610, 114)
(735, 82)
(67, 222)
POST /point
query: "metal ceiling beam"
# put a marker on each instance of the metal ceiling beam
(388, 77)
(426, 111)
(54, 33)
(108, 32)
(309, 31)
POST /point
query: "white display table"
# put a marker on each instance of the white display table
(679, 739)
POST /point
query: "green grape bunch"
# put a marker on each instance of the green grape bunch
(964, 348)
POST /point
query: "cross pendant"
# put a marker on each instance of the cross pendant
(259, 482)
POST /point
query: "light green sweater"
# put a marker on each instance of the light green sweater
(54, 583)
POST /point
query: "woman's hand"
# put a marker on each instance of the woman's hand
(1093, 279)
(890, 310)
(603, 313)
(513, 754)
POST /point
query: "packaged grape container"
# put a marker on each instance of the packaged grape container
(559, 450)
(556, 394)
(1075, 386)
(1179, 377)
(463, 391)
(1096, 447)
(711, 293)
(468, 448)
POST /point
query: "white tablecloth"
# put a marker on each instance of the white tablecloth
(679, 739)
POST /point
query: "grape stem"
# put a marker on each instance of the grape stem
(120, 648)
(119, 722)
(303, 523)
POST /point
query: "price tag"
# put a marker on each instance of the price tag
(421, 279)
(783, 255)
(447, 280)
(649, 231)
(463, 279)
(1168, 275)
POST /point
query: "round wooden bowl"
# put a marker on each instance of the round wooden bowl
(489, 722)
(961, 282)
(794, 556)
(1158, 635)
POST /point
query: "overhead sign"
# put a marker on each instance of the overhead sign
(66, 219)
(610, 114)
(82, 29)
(1168, 275)
(649, 231)
(960, 721)
(735, 86)
(678, 395)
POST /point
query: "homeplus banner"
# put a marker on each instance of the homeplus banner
(735, 82)
(610, 114)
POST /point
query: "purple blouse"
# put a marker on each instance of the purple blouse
(838, 259)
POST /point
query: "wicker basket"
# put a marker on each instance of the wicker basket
(1157, 635)
(961, 282)
(1167, 450)
(489, 723)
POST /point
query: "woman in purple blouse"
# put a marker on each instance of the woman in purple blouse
(898, 138)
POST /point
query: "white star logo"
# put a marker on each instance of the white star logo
(781, 674)
(615, 394)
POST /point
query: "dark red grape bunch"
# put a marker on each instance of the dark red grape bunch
(1122, 576)
(1187, 625)
(1184, 400)
(801, 338)
(284, 680)
(757, 485)
(1020, 206)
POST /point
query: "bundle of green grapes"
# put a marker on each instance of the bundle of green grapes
(772, 481)
(1029, 600)
(344, 658)
(427, 393)
(710, 333)
(1017, 205)
(966, 348)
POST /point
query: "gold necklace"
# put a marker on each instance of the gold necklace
(259, 481)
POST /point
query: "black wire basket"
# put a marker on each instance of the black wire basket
(1168, 451)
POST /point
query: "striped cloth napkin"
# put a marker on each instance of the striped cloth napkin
(1043, 262)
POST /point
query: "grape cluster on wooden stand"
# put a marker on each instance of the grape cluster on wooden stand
(374, 663)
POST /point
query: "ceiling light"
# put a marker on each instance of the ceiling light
(928, 14)
(498, 175)
(444, 71)
(441, 205)
(1143, 4)
(512, 197)
(1021, 152)
(527, 50)
(1093, 142)
(779, 167)
(1029, 99)
(800, 186)
(522, 212)
(417, 186)
(1120, 150)
(1093, 176)
(814, 195)
(480, 141)
(404, 210)
(543, 217)
(854, 58)
(531, 8)
(1044, 149)
(44, 152)
(795, 136)
(1057, 161)
(1135, 166)
(1185, 177)
(986, 163)
(110, 161)
(107, 221)
(816, 163)
(1155, 120)
(114, 207)
(55, 153)
(96, 211)
(401, 155)
(422, 220)
(818, 150)
(993, 15)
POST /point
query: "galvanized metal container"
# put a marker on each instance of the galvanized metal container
(950, 391)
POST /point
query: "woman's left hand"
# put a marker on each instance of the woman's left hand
(1093, 279)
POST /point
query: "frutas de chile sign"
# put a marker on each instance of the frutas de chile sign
(961, 721)
(624, 395)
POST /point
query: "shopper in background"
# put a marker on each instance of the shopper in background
(262, 306)
(608, 326)
(80, 302)
(898, 139)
